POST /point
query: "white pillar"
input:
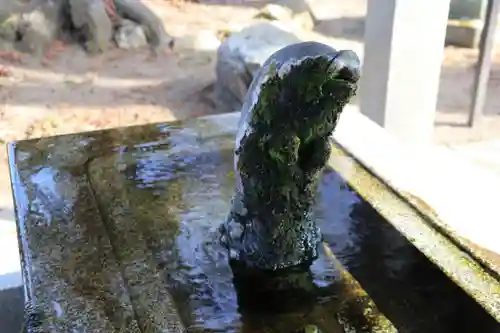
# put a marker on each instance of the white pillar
(404, 42)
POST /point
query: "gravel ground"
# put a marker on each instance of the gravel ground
(74, 92)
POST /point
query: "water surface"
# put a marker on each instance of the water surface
(119, 228)
(190, 194)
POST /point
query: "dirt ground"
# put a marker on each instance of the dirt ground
(75, 92)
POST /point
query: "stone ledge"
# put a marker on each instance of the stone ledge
(466, 33)
(460, 197)
(463, 36)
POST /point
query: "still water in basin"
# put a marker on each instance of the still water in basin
(170, 202)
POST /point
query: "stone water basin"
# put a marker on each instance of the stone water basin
(118, 233)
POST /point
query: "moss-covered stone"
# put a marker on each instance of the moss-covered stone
(290, 111)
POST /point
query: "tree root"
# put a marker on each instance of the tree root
(90, 23)
(136, 11)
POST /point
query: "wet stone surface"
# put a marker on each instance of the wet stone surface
(119, 233)
(282, 146)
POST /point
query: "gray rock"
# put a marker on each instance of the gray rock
(136, 11)
(40, 27)
(295, 12)
(91, 17)
(130, 35)
(296, 6)
(240, 57)
(78, 12)
(8, 27)
(203, 40)
(9, 7)
(467, 9)
(7, 46)
(276, 12)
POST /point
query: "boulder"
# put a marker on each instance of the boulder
(203, 40)
(10, 7)
(130, 35)
(7, 46)
(275, 12)
(33, 25)
(39, 27)
(40, 23)
(156, 34)
(295, 12)
(92, 18)
(8, 27)
(239, 58)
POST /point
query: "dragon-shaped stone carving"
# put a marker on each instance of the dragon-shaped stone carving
(282, 146)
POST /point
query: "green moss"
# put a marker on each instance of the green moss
(281, 158)
(293, 116)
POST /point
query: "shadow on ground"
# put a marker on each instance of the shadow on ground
(351, 28)
(125, 86)
(119, 87)
(456, 88)
(11, 310)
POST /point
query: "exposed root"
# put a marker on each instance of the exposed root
(110, 7)
(93, 24)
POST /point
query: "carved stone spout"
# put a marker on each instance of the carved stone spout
(282, 146)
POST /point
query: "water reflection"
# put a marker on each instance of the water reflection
(160, 193)
(193, 193)
(414, 294)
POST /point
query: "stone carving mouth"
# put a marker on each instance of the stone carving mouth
(291, 110)
(346, 64)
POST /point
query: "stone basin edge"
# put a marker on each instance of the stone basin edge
(358, 159)
(205, 127)
(430, 195)
(383, 182)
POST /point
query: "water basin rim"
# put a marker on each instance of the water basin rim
(428, 175)
(418, 228)
(16, 155)
(477, 288)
